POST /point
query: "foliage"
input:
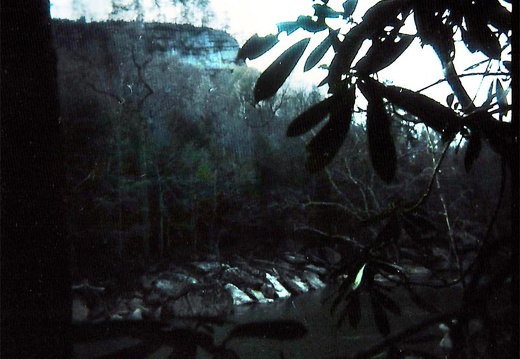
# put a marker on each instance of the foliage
(404, 228)
(167, 160)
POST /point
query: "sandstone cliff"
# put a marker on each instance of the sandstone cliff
(115, 39)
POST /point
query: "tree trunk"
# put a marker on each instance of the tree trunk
(36, 299)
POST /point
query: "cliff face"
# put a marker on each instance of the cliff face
(149, 67)
(115, 41)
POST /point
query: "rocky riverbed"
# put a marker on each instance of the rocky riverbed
(206, 288)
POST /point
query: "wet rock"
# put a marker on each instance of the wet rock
(314, 281)
(243, 265)
(323, 255)
(259, 296)
(315, 269)
(138, 294)
(182, 277)
(281, 292)
(239, 297)
(136, 315)
(79, 310)
(295, 285)
(241, 278)
(417, 273)
(268, 291)
(207, 267)
(211, 302)
(121, 308)
(116, 317)
(295, 258)
(169, 288)
(153, 299)
(136, 303)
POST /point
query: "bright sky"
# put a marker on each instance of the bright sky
(417, 68)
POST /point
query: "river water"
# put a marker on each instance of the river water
(323, 340)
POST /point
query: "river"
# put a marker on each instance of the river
(323, 340)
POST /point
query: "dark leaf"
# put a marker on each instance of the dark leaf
(276, 329)
(386, 301)
(380, 316)
(410, 229)
(342, 294)
(288, 26)
(433, 30)
(308, 24)
(384, 11)
(324, 81)
(420, 221)
(349, 7)
(324, 146)
(354, 309)
(490, 96)
(333, 35)
(310, 117)
(420, 302)
(383, 53)
(430, 112)
(472, 151)
(485, 42)
(474, 66)
(380, 142)
(317, 54)
(478, 36)
(449, 99)
(394, 353)
(501, 96)
(256, 46)
(499, 16)
(404, 353)
(507, 65)
(275, 75)
(390, 232)
(391, 269)
(345, 54)
(323, 11)
(337, 300)
(423, 338)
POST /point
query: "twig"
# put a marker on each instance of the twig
(446, 215)
(438, 82)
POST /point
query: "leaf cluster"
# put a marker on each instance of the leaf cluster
(382, 26)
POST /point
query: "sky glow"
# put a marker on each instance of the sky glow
(417, 68)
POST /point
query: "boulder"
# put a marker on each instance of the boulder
(315, 269)
(239, 297)
(281, 292)
(314, 281)
(294, 284)
(210, 302)
(207, 267)
(258, 296)
(268, 291)
(325, 256)
(168, 288)
(241, 278)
